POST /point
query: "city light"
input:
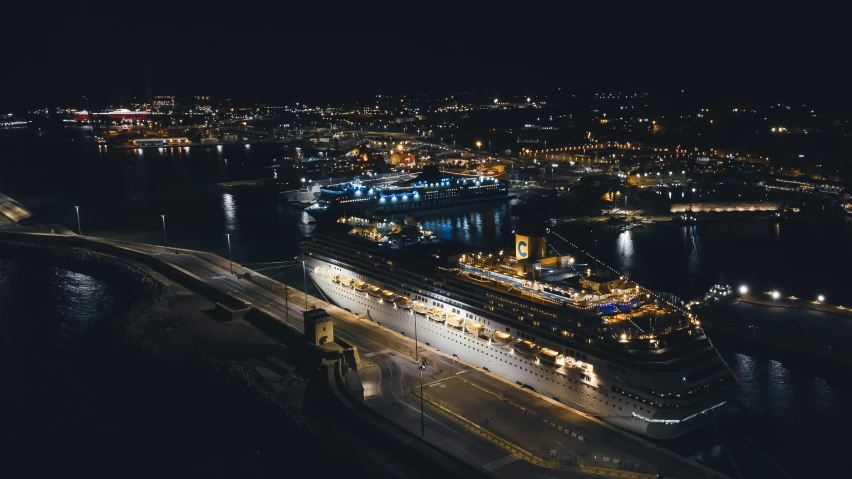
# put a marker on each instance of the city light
(776, 295)
(820, 298)
(743, 290)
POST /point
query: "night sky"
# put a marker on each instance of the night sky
(285, 53)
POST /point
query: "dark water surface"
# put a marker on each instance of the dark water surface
(798, 411)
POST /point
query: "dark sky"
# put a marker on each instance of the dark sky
(284, 53)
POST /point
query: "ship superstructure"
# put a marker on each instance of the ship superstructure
(597, 342)
(429, 190)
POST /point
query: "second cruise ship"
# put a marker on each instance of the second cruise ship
(431, 189)
(584, 336)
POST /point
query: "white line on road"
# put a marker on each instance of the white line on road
(376, 353)
(501, 462)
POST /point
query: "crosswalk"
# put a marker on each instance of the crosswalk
(501, 462)
(376, 353)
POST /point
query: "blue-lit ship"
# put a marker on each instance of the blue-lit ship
(430, 190)
(593, 340)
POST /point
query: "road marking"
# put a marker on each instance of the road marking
(501, 462)
(376, 353)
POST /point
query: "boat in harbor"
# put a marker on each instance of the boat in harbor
(431, 189)
(600, 341)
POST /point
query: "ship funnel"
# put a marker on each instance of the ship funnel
(530, 241)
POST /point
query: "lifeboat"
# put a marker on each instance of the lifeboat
(420, 308)
(360, 286)
(484, 333)
(549, 356)
(525, 348)
(501, 337)
(472, 328)
(403, 302)
(454, 321)
(336, 278)
(387, 295)
(435, 314)
(346, 281)
(374, 291)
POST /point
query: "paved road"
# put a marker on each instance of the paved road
(394, 373)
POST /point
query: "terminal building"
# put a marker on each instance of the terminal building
(119, 114)
(657, 179)
(179, 141)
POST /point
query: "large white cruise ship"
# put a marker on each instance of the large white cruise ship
(598, 343)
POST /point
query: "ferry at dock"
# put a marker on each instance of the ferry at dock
(587, 337)
(431, 189)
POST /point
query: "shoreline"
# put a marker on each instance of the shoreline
(797, 303)
(712, 319)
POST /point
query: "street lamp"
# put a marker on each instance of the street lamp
(422, 368)
(79, 230)
(479, 146)
(165, 238)
(820, 298)
(305, 280)
(743, 290)
(231, 261)
(416, 343)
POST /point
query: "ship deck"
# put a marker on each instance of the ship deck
(630, 315)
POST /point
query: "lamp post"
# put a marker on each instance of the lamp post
(287, 302)
(690, 199)
(230, 260)
(479, 146)
(422, 368)
(165, 238)
(305, 279)
(79, 230)
(416, 343)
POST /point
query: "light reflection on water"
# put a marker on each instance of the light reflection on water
(485, 225)
(79, 301)
(68, 304)
(625, 250)
(229, 207)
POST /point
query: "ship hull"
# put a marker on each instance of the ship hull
(376, 209)
(563, 384)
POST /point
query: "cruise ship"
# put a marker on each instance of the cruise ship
(589, 338)
(430, 190)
